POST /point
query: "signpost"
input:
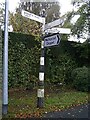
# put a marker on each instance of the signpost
(59, 30)
(33, 16)
(47, 41)
(40, 91)
(51, 40)
(53, 24)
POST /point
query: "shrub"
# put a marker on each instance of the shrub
(81, 78)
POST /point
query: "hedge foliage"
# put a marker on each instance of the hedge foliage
(24, 53)
(24, 60)
(81, 78)
(59, 67)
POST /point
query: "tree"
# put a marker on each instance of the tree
(67, 24)
(82, 26)
(53, 12)
(52, 9)
(24, 25)
(2, 11)
(21, 24)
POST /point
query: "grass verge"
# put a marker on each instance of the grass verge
(22, 103)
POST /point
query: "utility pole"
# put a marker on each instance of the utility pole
(5, 63)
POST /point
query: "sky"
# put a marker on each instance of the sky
(65, 5)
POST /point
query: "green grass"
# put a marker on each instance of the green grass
(23, 103)
(67, 99)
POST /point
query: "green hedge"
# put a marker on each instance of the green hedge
(24, 57)
(24, 53)
(59, 67)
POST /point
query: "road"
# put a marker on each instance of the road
(81, 111)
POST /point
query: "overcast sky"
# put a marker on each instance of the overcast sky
(65, 5)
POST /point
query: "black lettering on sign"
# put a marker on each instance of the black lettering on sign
(49, 43)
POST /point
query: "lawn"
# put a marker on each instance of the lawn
(23, 103)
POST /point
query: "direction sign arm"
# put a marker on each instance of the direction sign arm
(54, 23)
(33, 16)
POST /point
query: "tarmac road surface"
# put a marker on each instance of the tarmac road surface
(81, 111)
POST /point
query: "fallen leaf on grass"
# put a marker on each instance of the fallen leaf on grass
(59, 110)
(45, 112)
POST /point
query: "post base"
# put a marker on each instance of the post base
(4, 109)
(40, 102)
